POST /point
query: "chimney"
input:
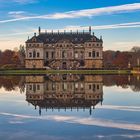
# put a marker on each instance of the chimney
(77, 31)
(83, 31)
(89, 29)
(39, 30)
(34, 34)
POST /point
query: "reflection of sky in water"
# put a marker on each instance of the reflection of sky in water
(117, 118)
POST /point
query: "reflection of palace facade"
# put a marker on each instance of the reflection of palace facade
(64, 91)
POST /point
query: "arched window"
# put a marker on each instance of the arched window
(64, 54)
(97, 54)
(89, 54)
(34, 54)
(38, 55)
(52, 54)
(93, 54)
(30, 54)
(76, 54)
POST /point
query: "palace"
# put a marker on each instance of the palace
(67, 50)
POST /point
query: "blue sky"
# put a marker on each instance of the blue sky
(118, 21)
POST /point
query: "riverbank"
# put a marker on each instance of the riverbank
(30, 72)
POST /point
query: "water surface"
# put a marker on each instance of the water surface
(66, 107)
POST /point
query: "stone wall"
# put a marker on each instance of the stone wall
(34, 79)
(34, 63)
(91, 64)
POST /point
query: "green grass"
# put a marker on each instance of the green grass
(26, 72)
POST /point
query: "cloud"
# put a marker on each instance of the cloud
(24, 1)
(121, 108)
(81, 13)
(78, 120)
(16, 2)
(80, 28)
(17, 14)
(101, 27)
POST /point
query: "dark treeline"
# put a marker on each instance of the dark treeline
(9, 58)
(118, 59)
(12, 58)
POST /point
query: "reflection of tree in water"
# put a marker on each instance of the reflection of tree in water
(12, 82)
(125, 81)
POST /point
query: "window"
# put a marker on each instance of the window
(30, 87)
(97, 54)
(38, 54)
(47, 54)
(64, 86)
(76, 85)
(52, 54)
(82, 86)
(30, 54)
(38, 87)
(89, 86)
(98, 87)
(76, 54)
(64, 54)
(47, 88)
(89, 54)
(93, 87)
(34, 53)
(89, 44)
(93, 54)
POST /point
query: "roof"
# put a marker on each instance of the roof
(57, 37)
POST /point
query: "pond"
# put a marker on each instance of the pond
(70, 107)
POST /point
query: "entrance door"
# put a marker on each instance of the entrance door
(64, 65)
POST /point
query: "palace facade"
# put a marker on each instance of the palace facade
(67, 50)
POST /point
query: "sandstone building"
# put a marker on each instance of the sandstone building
(67, 50)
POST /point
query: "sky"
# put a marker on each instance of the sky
(117, 21)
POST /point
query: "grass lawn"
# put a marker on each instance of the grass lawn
(26, 72)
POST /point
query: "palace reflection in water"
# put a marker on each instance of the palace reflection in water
(64, 91)
(67, 92)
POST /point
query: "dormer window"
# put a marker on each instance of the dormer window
(94, 39)
(47, 39)
(34, 39)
